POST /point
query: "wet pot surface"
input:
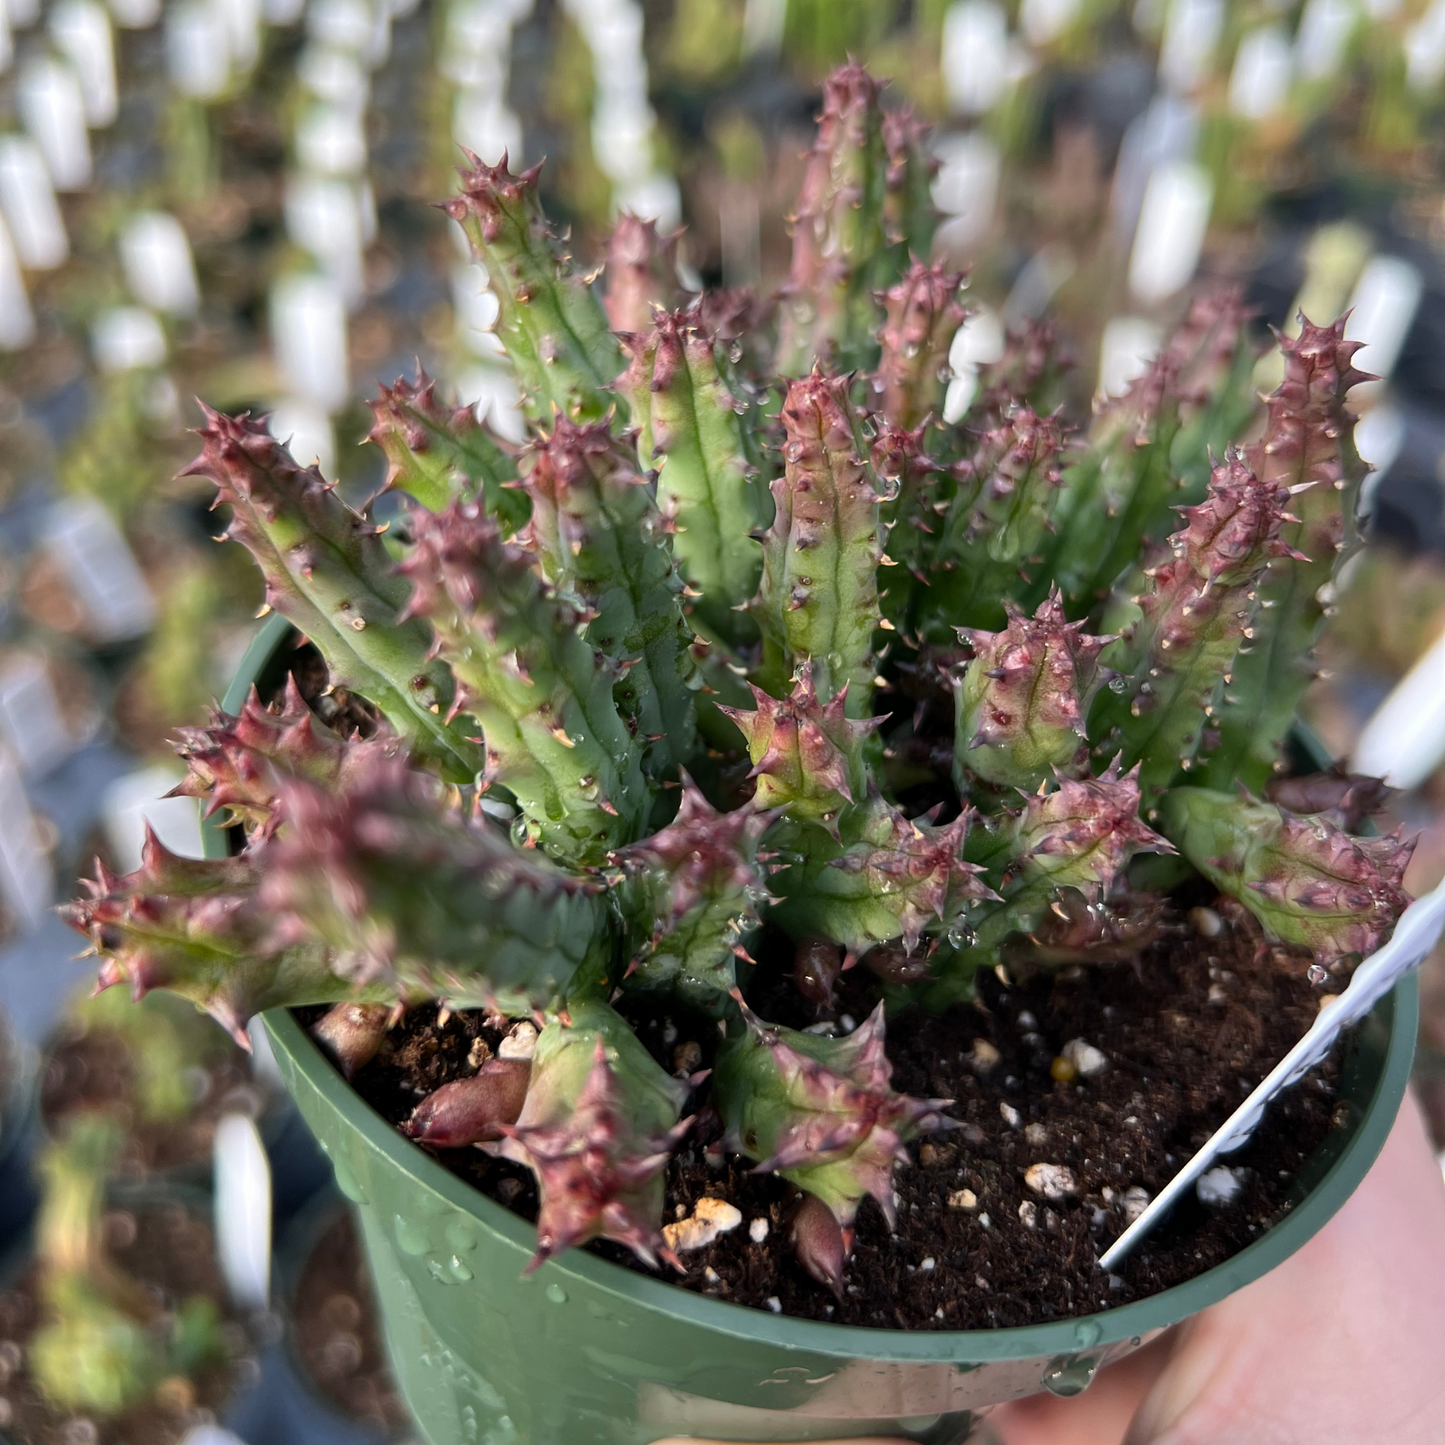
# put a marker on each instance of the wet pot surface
(585, 1351)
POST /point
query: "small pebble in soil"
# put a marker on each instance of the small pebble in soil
(1061, 1071)
(1027, 1022)
(1088, 1061)
(479, 1052)
(985, 1222)
(1218, 1186)
(1136, 1201)
(709, 1219)
(775, 1304)
(1029, 1214)
(758, 1230)
(1011, 1116)
(964, 1199)
(983, 1056)
(1207, 923)
(521, 1043)
(928, 1264)
(1036, 1134)
(687, 1058)
(1052, 1181)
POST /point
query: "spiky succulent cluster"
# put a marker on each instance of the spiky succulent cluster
(967, 672)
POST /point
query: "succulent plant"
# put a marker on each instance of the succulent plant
(964, 677)
(106, 1342)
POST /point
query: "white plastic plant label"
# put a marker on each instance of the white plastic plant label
(978, 342)
(82, 33)
(98, 565)
(330, 140)
(975, 55)
(763, 25)
(483, 122)
(198, 52)
(17, 319)
(1263, 68)
(1172, 222)
(965, 187)
(1382, 311)
(305, 430)
(282, 12)
(50, 103)
(1191, 33)
(1404, 741)
(22, 13)
(308, 332)
(1043, 21)
(491, 391)
(1425, 49)
(138, 799)
(135, 14)
(155, 255)
(31, 210)
(242, 1183)
(1414, 939)
(1127, 347)
(242, 19)
(126, 338)
(27, 881)
(346, 24)
(322, 218)
(30, 716)
(1324, 32)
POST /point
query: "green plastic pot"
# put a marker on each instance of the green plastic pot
(584, 1352)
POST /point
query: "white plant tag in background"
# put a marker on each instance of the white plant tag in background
(30, 716)
(483, 122)
(139, 798)
(49, 101)
(243, 30)
(1324, 31)
(1414, 939)
(198, 52)
(1382, 311)
(975, 55)
(1404, 741)
(27, 881)
(1191, 33)
(155, 254)
(81, 32)
(330, 140)
(17, 319)
(210, 1435)
(1170, 236)
(1263, 66)
(978, 342)
(1425, 49)
(305, 430)
(124, 338)
(282, 12)
(97, 563)
(1044, 20)
(133, 14)
(242, 1183)
(1127, 347)
(321, 217)
(965, 187)
(308, 333)
(31, 210)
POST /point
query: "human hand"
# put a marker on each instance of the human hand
(1343, 1341)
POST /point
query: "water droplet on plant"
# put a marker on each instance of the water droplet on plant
(793, 452)
(1317, 974)
(735, 352)
(556, 1294)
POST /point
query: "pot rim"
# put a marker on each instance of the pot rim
(1069, 1336)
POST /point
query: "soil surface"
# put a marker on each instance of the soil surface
(1184, 1032)
(335, 1331)
(92, 1069)
(168, 1250)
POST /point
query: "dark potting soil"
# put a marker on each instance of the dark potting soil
(1185, 1031)
(170, 1252)
(92, 1069)
(335, 1331)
